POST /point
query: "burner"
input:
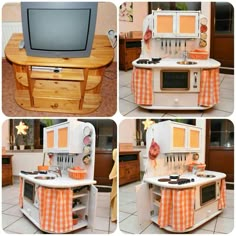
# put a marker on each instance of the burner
(163, 180)
(183, 181)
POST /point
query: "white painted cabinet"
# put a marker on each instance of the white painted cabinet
(84, 205)
(148, 202)
(175, 24)
(143, 203)
(175, 137)
(66, 137)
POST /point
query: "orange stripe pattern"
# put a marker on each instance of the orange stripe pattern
(209, 87)
(21, 193)
(55, 206)
(221, 201)
(177, 209)
(141, 86)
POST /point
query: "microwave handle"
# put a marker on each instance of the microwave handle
(218, 189)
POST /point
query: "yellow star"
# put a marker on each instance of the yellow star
(147, 123)
(21, 128)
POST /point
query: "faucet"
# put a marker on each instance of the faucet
(185, 52)
(185, 55)
(57, 170)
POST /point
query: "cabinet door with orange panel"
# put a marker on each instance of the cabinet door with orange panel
(194, 139)
(66, 137)
(175, 24)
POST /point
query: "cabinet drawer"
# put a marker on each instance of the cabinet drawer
(56, 104)
(176, 99)
(205, 212)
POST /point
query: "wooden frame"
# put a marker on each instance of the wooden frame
(174, 89)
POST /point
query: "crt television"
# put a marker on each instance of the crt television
(58, 29)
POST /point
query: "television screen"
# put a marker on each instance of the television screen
(59, 29)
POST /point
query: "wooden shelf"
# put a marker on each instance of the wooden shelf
(80, 224)
(76, 88)
(78, 208)
(64, 75)
(50, 89)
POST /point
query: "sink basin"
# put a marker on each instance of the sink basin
(44, 177)
(186, 62)
(206, 176)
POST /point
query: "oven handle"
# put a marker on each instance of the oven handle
(217, 189)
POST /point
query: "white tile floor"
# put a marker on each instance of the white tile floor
(222, 224)
(14, 222)
(223, 109)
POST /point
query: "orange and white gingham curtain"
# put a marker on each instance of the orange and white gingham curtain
(55, 206)
(209, 87)
(222, 199)
(141, 86)
(177, 209)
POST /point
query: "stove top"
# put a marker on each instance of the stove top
(177, 181)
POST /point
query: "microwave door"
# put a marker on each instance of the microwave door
(175, 80)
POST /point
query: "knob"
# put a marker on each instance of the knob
(176, 100)
(54, 106)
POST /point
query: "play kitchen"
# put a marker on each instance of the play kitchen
(60, 196)
(174, 70)
(177, 193)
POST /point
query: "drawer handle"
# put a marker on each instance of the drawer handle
(176, 100)
(54, 106)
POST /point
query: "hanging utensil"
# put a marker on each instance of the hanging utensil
(176, 51)
(166, 46)
(170, 47)
(162, 45)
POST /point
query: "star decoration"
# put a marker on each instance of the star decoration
(147, 123)
(22, 128)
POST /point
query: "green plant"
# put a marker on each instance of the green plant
(75, 216)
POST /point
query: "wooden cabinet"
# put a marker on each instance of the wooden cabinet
(129, 167)
(71, 85)
(66, 137)
(129, 50)
(176, 24)
(175, 137)
(7, 177)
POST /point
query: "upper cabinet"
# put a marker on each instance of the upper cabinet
(175, 24)
(175, 137)
(67, 137)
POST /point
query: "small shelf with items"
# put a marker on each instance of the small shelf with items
(156, 201)
(80, 206)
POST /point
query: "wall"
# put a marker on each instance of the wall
(140, 10)
(127, 130)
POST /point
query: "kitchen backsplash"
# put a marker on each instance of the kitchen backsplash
(166, 164)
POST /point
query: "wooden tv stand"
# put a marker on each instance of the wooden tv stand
(74, 89)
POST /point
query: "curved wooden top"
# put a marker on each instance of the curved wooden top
(101, 55)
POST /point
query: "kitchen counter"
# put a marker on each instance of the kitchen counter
(197, 201)
(58, 182)
(172, 63)
(197, 180)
